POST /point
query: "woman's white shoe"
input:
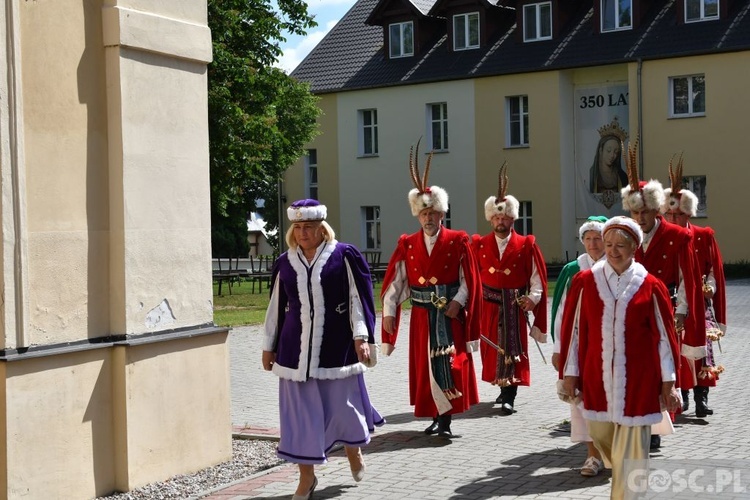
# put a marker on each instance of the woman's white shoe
(591, 467)
(359, 474)
(309, 494)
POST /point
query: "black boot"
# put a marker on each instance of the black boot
(655, 442)
(701, 402)
(705, 400)
(508, 397)
(444, 426)
(433, 427)
(685, 400)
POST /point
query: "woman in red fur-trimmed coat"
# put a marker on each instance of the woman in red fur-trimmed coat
(620, 351)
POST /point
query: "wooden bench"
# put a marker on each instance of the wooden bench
(260, 271)
(377, 268)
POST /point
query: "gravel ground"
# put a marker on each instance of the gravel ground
(248, 457)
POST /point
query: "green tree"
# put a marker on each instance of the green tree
(259, 117)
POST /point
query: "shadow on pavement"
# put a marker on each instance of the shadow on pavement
(522, 476)
(400, 440)
(683, 420)
(403, 418)
(479, 410)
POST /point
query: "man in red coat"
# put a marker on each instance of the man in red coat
(434, 267)
(679, 207)
(514, 283)
(667, 253)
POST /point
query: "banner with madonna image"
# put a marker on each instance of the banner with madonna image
(602, 129)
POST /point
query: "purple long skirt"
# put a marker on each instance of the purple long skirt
(317, 414)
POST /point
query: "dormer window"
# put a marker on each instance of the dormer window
(466, 31)
(617, 15)
(401, 40)
(701, 10)
(537, 22)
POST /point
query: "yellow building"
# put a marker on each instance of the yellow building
(112, 374)
(537, 84)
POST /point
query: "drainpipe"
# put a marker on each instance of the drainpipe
(281, 199)
(639, 84)
(14, 198)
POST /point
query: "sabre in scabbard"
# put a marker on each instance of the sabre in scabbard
(528, 322)
(491, 343)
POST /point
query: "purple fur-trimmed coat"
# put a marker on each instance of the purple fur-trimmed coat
(310, 327)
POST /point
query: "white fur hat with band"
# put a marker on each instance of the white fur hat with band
(424, 196)
(306, 210)
(626, 224)
(502, 204)
(593, 223)
(638, 194)
(676, 197)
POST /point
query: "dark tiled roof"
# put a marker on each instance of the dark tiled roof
(352, 56)
(424, 6)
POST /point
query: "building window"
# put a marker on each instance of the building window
(372, 227)
(401, 39)
(311, 174)
(688, 95)
(466, 31)
(617, 14)
(518, 120)
(701, 10)
(368, 132)
(537, 22)
(523, 225)
(437, 125)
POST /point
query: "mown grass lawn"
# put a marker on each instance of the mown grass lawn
(243, 307)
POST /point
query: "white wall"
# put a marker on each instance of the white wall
(384, 180)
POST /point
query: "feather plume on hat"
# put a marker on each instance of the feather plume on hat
(638, 195)
(502, 204)
(424, 196)
(677, 197)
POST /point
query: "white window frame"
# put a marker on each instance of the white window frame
(311, 174)
(441, 122)
(402, 51)
(371, 227)
(519, 123)
(367, 147)
(702, 16)
(618, 23)
(524, 224)
(468, 17)
(691, 82)
(535, 10)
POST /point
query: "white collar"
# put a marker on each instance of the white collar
(430, 240)
(503, 241)
(610, 273)
(647, 236)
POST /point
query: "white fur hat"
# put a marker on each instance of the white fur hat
(424, 196)
(638, 194)
(626, 224)
(306, 210)
(433, 197)
(676, 197)
(593, 223)
(648, 195)
(501, 204)
(685, 200)
(507, 206)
